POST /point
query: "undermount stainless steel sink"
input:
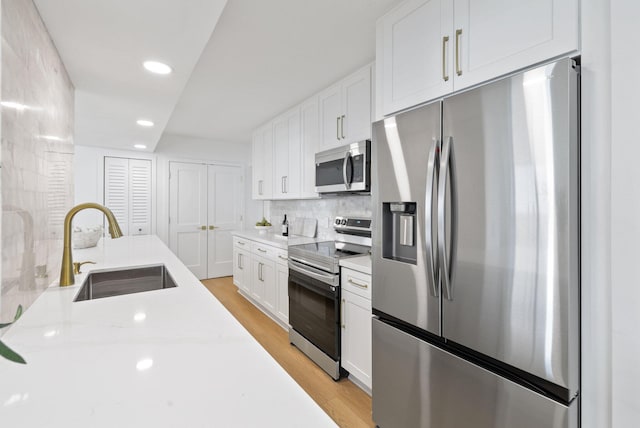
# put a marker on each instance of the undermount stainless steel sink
(124, 281)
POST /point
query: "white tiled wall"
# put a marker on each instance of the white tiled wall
(37, 156)
(324, 210)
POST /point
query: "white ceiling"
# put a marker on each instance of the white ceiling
(103, 44)
(266, 56)
(232, 72)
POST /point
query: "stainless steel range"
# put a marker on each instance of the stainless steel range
(314, 291)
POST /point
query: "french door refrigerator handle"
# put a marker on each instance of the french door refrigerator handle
(347, 158)
(432, 177)
(447, 169)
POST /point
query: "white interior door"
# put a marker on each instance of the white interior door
(188, 215)
(225, 214)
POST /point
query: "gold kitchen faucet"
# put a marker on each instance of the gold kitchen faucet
(66, 271)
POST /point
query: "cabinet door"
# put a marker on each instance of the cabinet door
(257, 166)
(417, 53)
(241, 270)
(286, 156)
(356, 336)
(330, 117)
(356, 107)
(282, 286)
(497, 37)
(268, 276)
(310, 136)
(262, 163)
(257, 283)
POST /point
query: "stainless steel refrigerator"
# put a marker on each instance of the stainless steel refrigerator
(476, 257)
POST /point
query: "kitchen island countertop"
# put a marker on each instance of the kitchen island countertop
(167, 358)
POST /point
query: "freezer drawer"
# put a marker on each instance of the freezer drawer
(418, 385)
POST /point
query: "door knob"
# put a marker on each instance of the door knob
(211, 227)
(203, 227)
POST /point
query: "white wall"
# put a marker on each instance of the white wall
(625, 214)
(89, 172)
(37, 188)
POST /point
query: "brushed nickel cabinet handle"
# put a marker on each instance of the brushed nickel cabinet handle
(342, 313)
(458, 34)
(338, 127)
(445, 41)
(342, 126)
(351, 281)
(262, 251)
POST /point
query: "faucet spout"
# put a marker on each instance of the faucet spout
(66, 271)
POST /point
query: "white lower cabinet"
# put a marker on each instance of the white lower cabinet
(282, 285)
(356, 325)
(260, 271)
(242, 269)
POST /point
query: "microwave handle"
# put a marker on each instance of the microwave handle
(347, 159)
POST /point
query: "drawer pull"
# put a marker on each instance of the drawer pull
(282, 258)
(240, 243)
(351, 281)
(261, 250)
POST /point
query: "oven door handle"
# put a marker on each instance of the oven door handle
(327, 278)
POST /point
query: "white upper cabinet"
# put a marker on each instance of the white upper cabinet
(330, 114)
(417, 62)
(495, 37)
(287, 155)
(310, 138)
(345, 110)
(262, 158)
(429, 48)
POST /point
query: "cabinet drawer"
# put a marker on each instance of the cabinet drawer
(263, 250)
(282, 257)
(242, 243)
(356, 282)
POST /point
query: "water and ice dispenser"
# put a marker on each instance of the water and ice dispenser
(399, 223)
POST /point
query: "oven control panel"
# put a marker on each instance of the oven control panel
(353, 225)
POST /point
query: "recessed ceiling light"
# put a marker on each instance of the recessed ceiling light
(157, 67)
(144, 364)
(140, 146)
(144, 122)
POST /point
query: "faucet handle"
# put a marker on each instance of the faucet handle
(77, 265)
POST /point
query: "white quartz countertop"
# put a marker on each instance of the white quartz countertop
(360, 263)
(273, 239)
(167, 358)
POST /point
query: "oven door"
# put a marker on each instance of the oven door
(314, 308)
(344, 169)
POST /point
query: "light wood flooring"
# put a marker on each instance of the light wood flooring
(347, 404)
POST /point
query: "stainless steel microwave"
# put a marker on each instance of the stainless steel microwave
(344, 169)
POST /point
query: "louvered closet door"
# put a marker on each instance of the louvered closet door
(139, 197)
(116, 190)
(127, 193)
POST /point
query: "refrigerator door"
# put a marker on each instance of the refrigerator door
(513, 273)
(418, 385)
(404, 152)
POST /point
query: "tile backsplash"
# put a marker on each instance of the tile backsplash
(325, 210)
(36, 155)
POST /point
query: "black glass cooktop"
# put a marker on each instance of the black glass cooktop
(331, 249)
